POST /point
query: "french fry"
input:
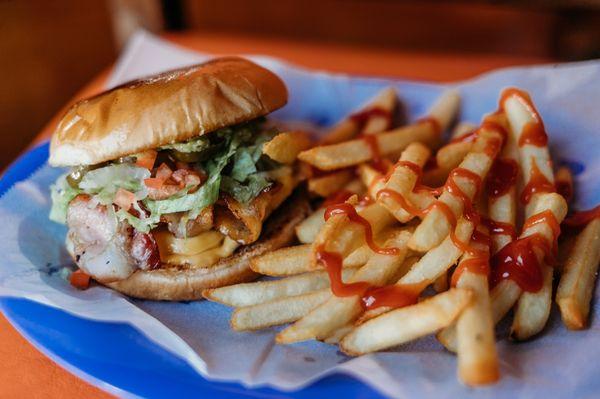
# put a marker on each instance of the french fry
(519, 114)
(348, 128)
(503, 297)
(283, 262)
(533, 309)
(286, 146)
(476, 344)
(307, 230)
(336, 312)
(295, 260)
(402, 180)
(375, 182)
(445, 108)
(330, 183)
(503, 208)
(433, 264)
(408, 263)
(406, 324)
(339, 234)
(435, 226)
(337, 335)
(279, 311)
(357, 151)
(506, 292)
(452, 154)
(247, 294)
(449, 156)
(461, 129)
(472, 336)
(579, 276)
(387, 100)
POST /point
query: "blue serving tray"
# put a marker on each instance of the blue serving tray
(94, 351)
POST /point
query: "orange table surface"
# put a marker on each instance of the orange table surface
(25, 372)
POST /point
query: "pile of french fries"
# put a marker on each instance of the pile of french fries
(427, 268)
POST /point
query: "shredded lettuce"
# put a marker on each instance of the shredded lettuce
(104, 182)
(235, 165)
(61, 194)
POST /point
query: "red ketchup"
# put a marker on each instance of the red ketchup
(538, 183)
(518, 260)
(502, 176)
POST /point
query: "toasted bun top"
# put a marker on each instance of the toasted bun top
(164, 109)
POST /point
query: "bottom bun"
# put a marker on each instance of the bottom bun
(178, 283)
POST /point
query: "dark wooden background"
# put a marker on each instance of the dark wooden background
(51, 48)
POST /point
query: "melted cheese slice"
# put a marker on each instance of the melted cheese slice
(202, 250)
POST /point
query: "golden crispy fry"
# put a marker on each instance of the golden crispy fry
(461, 129)
(434, 263)
(532, 312)
(283, 262)
(337, 335)
(533, 309)
(452, 154)
(387, 100)
(519, 115)
(506, 292)
(435, 226)
(472, 336)
(336, 312)
(247, 294)
(330, 183)
(294, 260)
(503, 297)
(476, 343)
(449, 156)
(307, 230)
(357, 151)
(402, 180)
(348, 128)
(445, 108)
(504, 208)
(279, 311)
(341, 235)
(286, 146)
(406, 324)
(579, 276)
(375, 182)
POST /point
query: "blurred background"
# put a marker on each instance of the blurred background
(51, 49)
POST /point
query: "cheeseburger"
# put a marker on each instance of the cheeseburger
(170, 191)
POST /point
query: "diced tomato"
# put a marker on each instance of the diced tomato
(146, 159)
(80, 279)
(124, 199)
(163, 172)
(154, 182)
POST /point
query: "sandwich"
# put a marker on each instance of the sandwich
(170, 190)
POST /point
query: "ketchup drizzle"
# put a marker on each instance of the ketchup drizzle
(538, 183)
(361, 118)
(533, 132)
(582, 218)
(518, 260)
(502, 177)
(350, 212)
